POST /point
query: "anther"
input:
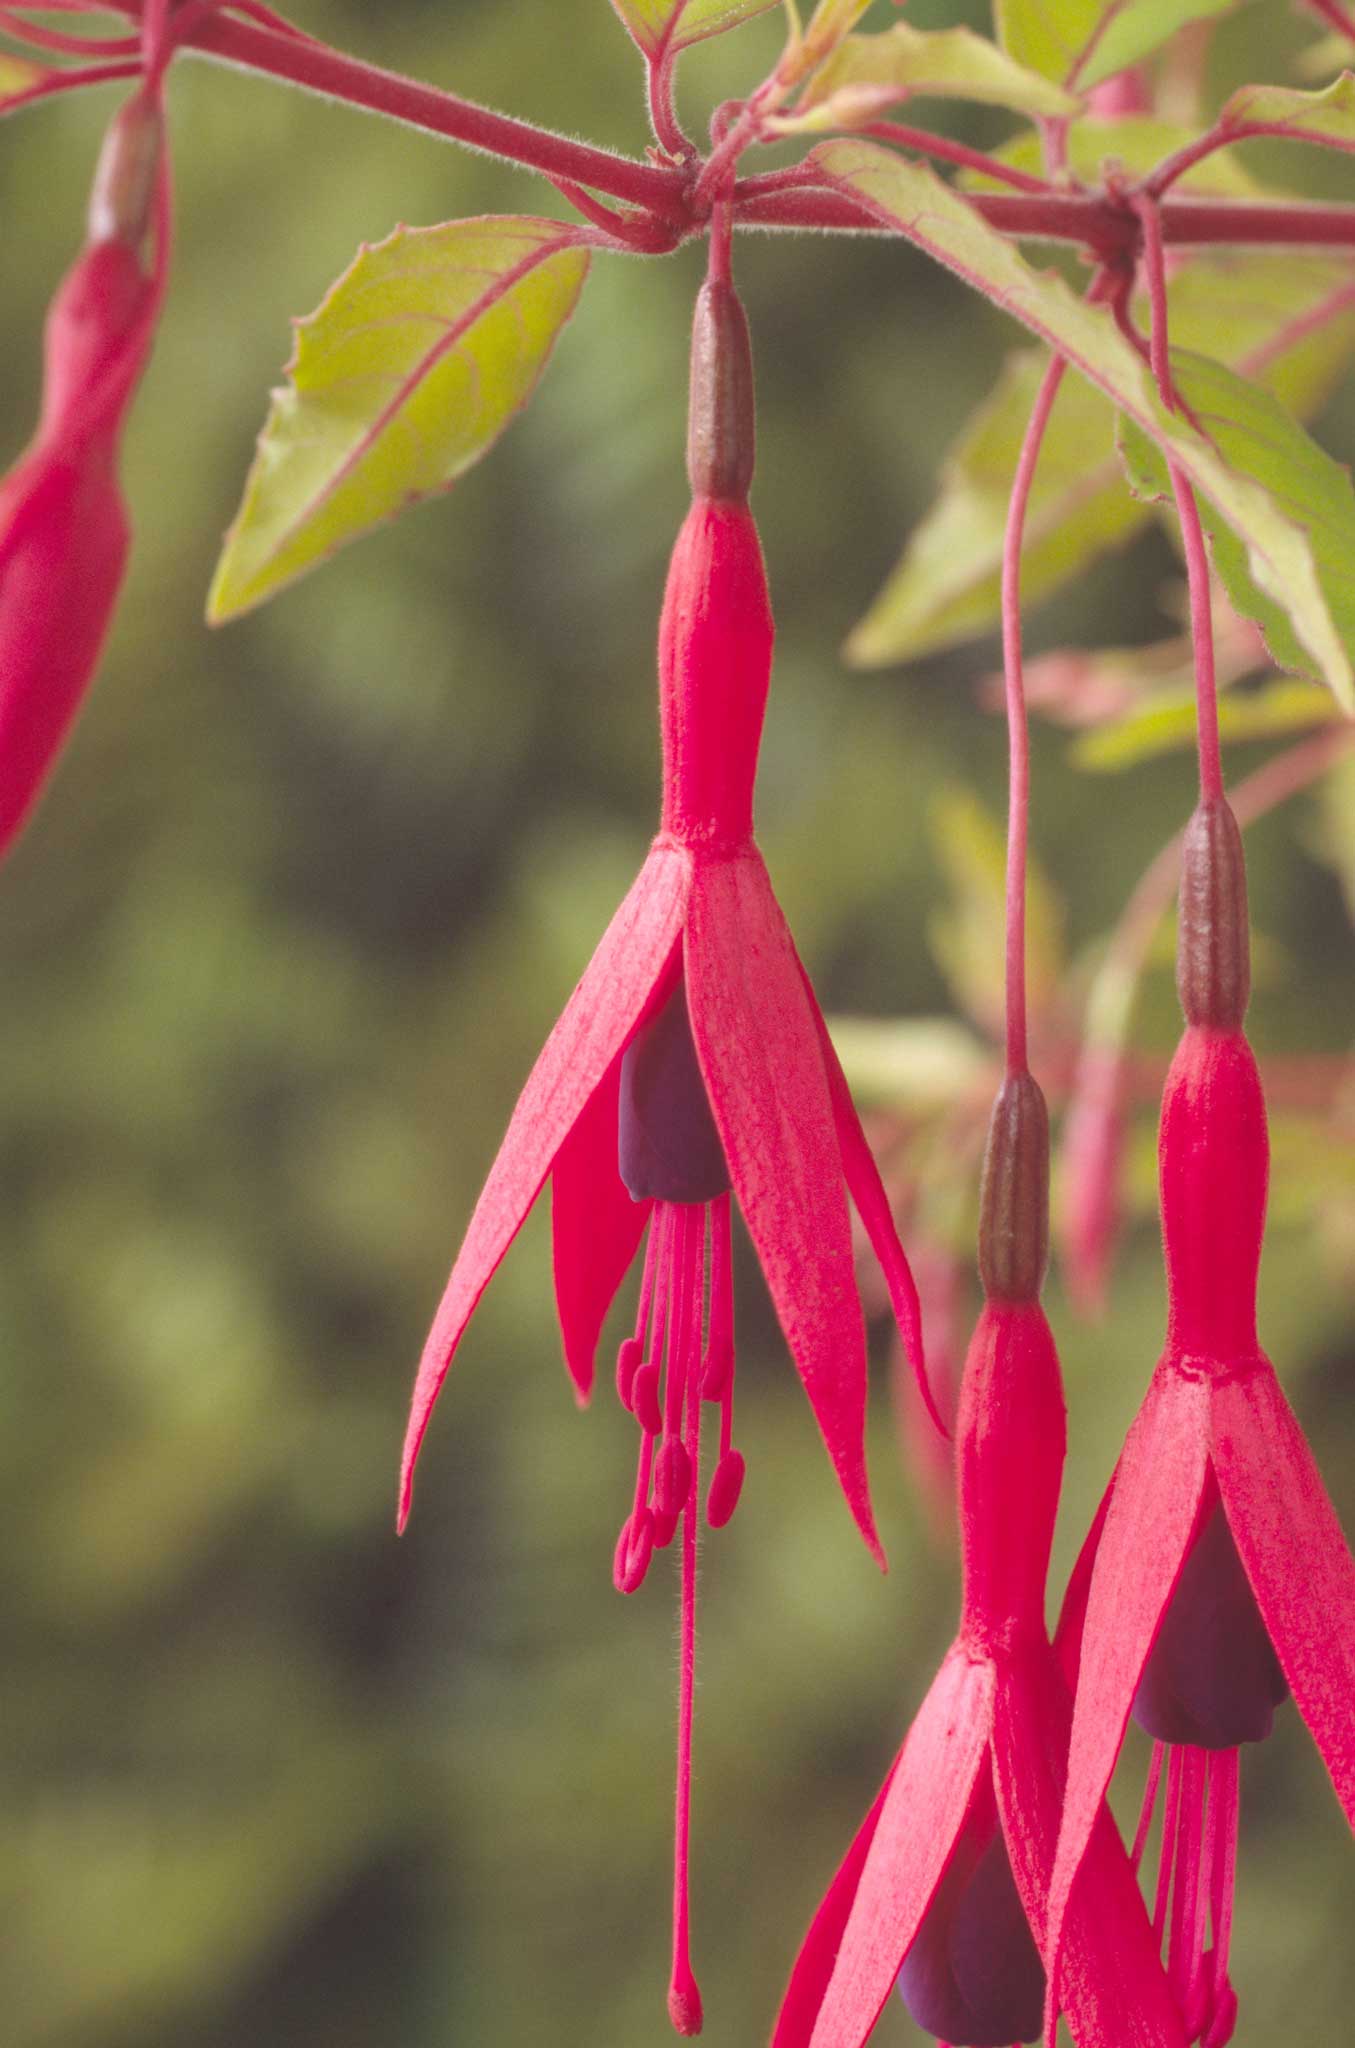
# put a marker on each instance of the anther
(1213, 961)
(645, 1399)
(716, 1368)
(726, 1484)
(663, 1527)
(672, 1478)
(629, 1359)
(634, 1548)
(720, 439)
(1014, 1198)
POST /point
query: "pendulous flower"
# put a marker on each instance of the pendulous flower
(944, 1891)
(691, 1068)
(1221, 1579)
(63, 525)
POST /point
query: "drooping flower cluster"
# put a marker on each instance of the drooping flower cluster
(1221, 1579)
(63, 525)
(692, 1068)
(945, 1890)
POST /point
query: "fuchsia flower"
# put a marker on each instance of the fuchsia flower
(63, 526)
(1221, 1576)
(692, 1062)
(944, 1890)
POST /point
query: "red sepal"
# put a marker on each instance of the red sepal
(1296, 1557)
(595, 1229)
(819, 1949)
(595, 1024)
(919, 1823)
(758, 1045)
(1156, 1491)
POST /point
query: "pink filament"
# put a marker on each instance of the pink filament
(1149, 1806)
(684, 1997)
(1196, 1872)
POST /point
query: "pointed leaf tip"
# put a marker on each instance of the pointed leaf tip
(412, 367)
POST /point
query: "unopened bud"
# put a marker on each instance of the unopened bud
(720, 439)
(1213, 961)
(123, 193)
(1014, 1199)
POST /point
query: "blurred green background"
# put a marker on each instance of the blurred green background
(275, 956)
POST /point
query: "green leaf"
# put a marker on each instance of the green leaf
(1165, 721)
(873, 72)
(662, 27)
(968, 934)
(1325, 116)
(1249, 309)
(1259, 440)
(1080, 42)
(412, 367)
(1136, 142)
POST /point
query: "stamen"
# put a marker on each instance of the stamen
(1149, 1806)
(1189, 1899)
(717, 1377)
(1167, 1853)
(630, 1356)
(1223, 1801)
(684, 1996)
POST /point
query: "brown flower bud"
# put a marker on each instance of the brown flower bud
(1213, 961)
(1014, 1198)
(720, 441)
(123, 194)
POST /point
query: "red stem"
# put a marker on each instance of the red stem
(1087, 219)
(70, 81)
(1336, 16)
(1188, 513)
(40, 38)
(1018, 730)
(942, 147)
(318, 68)
(1174, 167)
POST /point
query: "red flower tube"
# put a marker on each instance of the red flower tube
(1221, 1574)
(63, 525)
(944, 1891)
(692, 1066)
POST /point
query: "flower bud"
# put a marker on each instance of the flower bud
(720, 439)
(1213, 961)
(1014, 1198)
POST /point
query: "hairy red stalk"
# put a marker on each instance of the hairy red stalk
(942, 147)
(1018, 731)
(70, 81)
(1334, 15)
(1088, 220)
(39, 37)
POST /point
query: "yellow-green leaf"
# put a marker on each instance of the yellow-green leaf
(1165, 721)
(1262, 442)
(1250, 309)
(661, 27)
(901, 62)
(1080, 42)
(412, 367)
(1325, 116)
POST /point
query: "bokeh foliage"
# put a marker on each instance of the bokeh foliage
(277, 952)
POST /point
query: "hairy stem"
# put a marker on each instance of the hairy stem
(1018, 730)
